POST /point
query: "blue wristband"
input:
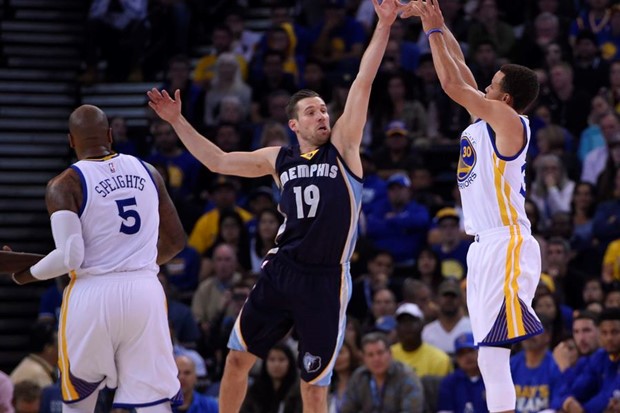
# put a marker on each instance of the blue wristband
(431, 31)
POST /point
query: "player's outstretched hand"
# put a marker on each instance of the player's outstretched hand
(429, 11)
(166, 108)
(387, 10)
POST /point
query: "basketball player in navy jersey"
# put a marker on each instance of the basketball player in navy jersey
(305, 282)
(504, 261)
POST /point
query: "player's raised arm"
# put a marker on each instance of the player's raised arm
(501, 116)
(246, 164)
(454, 48)
(347, 133)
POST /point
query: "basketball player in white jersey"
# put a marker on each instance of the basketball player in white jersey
(504, 262)
(113, 223)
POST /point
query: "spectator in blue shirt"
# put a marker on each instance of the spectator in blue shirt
(193, 402)
(399, 225)
(593, 389)
(534, 372)
(451, 249)
(463, 390)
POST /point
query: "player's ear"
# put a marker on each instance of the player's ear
(71, 144)
(292, 123)
(110, 139)
(507, 99)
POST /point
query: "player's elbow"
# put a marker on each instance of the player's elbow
(451, 86)
(74, 252)
(178, 243)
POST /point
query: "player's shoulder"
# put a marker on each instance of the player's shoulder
(67, 178)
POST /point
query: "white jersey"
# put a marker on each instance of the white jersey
(119, 215)
(492, 186)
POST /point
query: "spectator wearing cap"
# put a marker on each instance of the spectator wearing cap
(224, 196)
(463, 390)
(451, 321)
(423, 358)
(338, 39)
(399, 225)
(382, 384)
(394, 155)
(452, 248)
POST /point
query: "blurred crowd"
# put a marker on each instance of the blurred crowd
(407, 315)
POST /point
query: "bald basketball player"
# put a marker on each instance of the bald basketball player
(113, 223)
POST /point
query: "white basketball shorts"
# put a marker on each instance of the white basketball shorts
(114, 332)
(503, 272)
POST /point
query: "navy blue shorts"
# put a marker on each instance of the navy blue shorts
(312, 301)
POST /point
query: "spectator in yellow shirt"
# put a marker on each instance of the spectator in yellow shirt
(206, 229)
(424, 359)
(611, 262)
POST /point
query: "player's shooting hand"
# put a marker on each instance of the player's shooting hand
(428, 11)
(387, 10)
(166, 108)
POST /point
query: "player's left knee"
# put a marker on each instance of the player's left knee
(314, 397)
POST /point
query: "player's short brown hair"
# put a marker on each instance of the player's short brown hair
(521, 83)
(291, 108)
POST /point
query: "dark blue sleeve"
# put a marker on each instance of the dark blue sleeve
(606, 221)
(586, 384)
(415, 217)
(187, 331)
(447, 388)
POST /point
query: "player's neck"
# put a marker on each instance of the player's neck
(95, 153)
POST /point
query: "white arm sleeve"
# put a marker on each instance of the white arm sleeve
(69, 252)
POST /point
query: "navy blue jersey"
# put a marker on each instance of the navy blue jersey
(321, 201)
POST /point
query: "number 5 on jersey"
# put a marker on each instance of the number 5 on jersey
(308, 196)
(128, 215)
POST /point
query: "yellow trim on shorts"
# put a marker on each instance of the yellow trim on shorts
(68, 391)
(514, 315)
